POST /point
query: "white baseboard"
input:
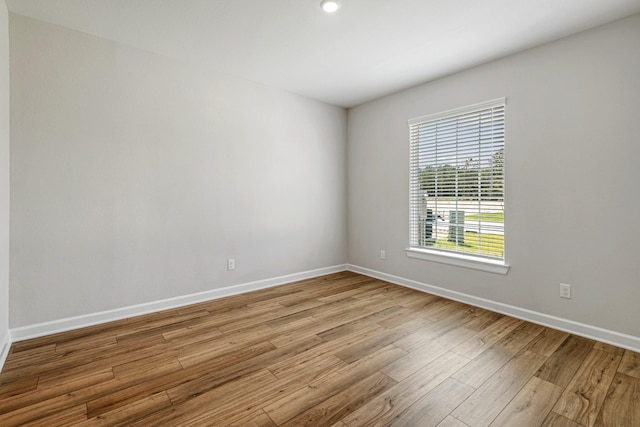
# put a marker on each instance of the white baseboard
(62, 325)
(33, 331)
(5, 345)
(588, 331)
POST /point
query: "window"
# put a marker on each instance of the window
(457, 183)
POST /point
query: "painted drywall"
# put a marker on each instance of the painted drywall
(135, 178)
(4, 178)
(572, 173)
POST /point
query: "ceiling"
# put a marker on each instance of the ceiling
(366, 50)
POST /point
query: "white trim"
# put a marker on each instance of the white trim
(62, 325)
(459, 260)
(5, 346)
(457, 111)
(588, 331)
(33, 331)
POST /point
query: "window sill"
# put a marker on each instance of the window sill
(459, 260)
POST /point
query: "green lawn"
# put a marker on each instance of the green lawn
(486, 216)
(481, 244)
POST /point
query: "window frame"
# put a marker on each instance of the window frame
(451, 257)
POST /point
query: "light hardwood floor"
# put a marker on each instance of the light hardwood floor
(341, 350)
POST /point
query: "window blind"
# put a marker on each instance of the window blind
(457, 180)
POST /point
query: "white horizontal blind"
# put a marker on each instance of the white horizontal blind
(457, 180)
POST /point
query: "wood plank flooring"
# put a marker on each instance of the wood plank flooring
(339, 350)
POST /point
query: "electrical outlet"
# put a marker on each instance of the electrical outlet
(565, 291)
(231, 264)
(383, 254)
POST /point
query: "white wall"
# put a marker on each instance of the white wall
(572, 170)
(4, 178)
(134, 178)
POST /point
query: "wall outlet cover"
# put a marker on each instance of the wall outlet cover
(565, 291)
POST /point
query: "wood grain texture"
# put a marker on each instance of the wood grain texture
(487, 363)
(487, 337)
(555, 420)
(547, 342)
(452, 422)
(343, 350)
(383, 408)
(609, 348)
(561, 366)
(425, 354)
(622, 405)
(309, 396)
(434, 406)
(492, 396)
(531, 405)
(582, 399)
(630, 364)
(256, 419)
(344, 402)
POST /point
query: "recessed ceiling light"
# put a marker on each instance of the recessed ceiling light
(330, 6)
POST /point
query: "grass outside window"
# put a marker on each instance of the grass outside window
(486, 216)
(486, 244)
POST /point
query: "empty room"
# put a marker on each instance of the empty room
(322, 213)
